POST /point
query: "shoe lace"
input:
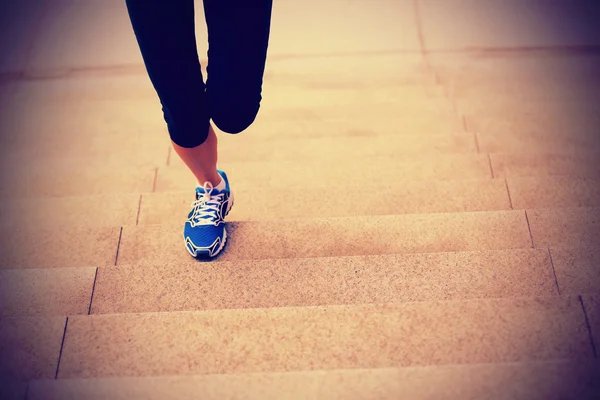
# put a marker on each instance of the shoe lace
(206, 207)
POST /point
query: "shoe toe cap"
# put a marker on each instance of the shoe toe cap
(203, 240)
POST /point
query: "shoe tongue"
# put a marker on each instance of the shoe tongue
(200, 191)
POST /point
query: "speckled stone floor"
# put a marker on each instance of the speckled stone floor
(417, 210)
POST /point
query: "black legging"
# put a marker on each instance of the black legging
(238, 35)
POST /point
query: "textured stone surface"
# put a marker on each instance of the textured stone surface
(17, 31)
(408, 121)
(101, 96)
(268, 203)
(323, 281)
(72, 247)
(552, 380)
(414, 233)
(522, 79)
(76, 180)
(567, 103)
(537, 132)
(364, 27)
(80, 28)
(349, 105)
(344, 72)
(56, 291)
(591, 304)
(301, 96)
(13, 390)
(116, 86)
(89, 211)
(525, 101)
(512, 165)
(510, 23)
(525, 141)
(93, 118)
(371, 169)
(250, 147)
(552, 192)
(577, 270)
(115, 142)
(29, 347)
(90, 35)
(565, 227)
(325, 337)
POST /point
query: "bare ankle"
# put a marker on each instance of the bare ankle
(213, 178)
(202, 160)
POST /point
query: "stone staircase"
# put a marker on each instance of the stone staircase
(390, 239)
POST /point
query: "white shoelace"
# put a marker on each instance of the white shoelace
(206, 207)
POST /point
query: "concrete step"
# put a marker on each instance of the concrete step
(265, 204)
(339, 121)
(583, 164)
(250, 147)
(577, 270)
(70, 211)
(467, 94)
(76, 177)
(65, 108)
(127, 140)
(330, 199)
(345, 236)
(11, 390)
(57, 291)
(542, 132)
(291, 133)
(357, 70)
(553, 192)
(119, 126)
(591, 304)
(188, 285)
(549, 76)
(302, 76)
(377, 169)
(62, 246)
(332, 98)
(549, 380)
(325, 337)
(518, 66)
(556, 108)
(30, 347)
(71, 161)
(521, 140)
(58, 247)
(565, 227)
(59, 126)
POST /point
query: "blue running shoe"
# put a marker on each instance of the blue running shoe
(204, 231)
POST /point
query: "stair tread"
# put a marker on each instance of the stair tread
(549, 380)
(155, 286)
(57, 291)
(30, 347)
(356, 144)
(325, 337)
(377, 169)
(315, 237)
(348, 198)
(35, 247)
(583, 164)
